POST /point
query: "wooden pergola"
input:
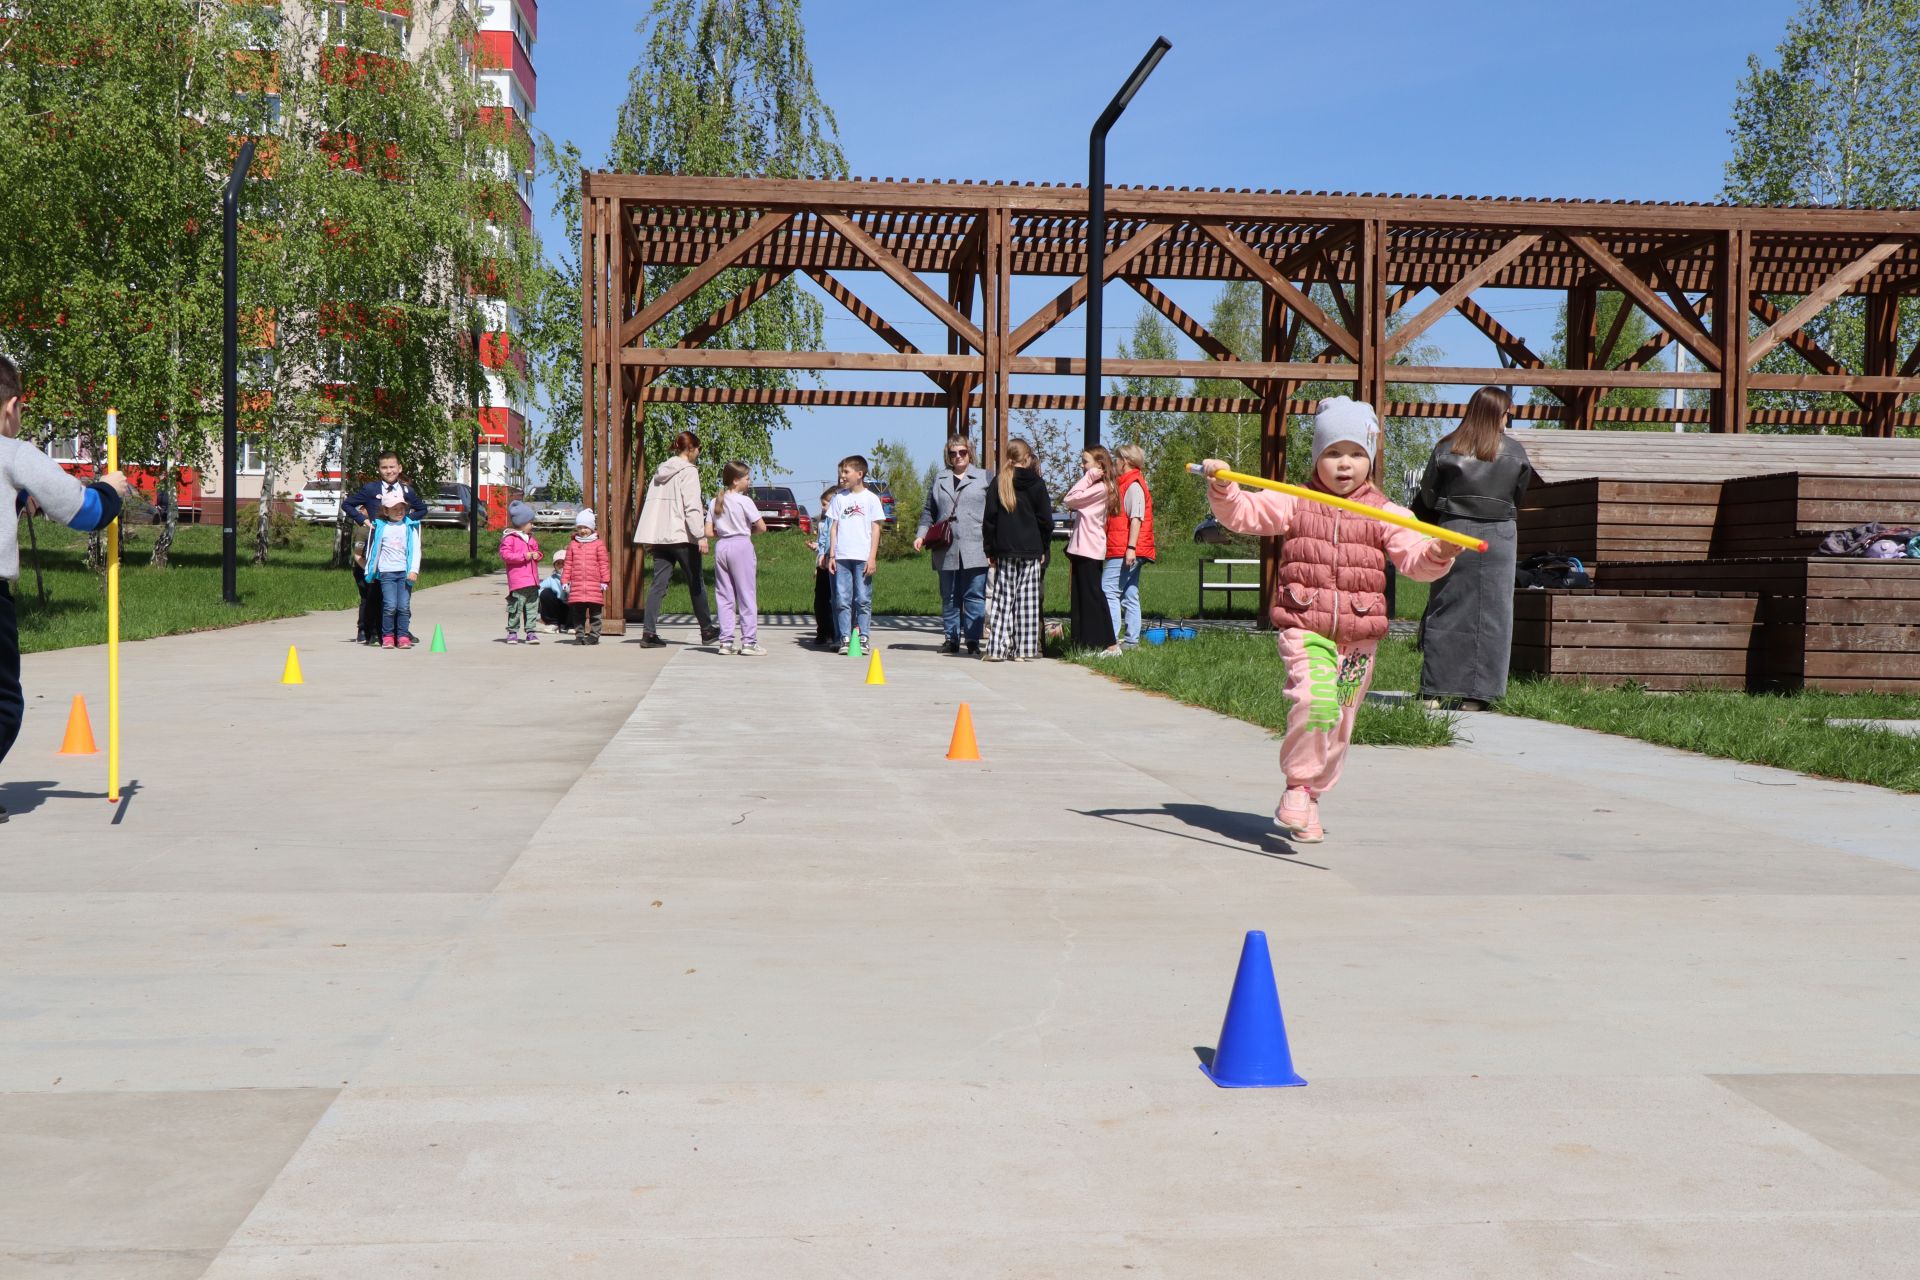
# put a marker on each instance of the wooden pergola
(1708, 277)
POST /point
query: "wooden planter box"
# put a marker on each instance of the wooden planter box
(1786, 515)
(1668, 640)
(1844, 625)
(1606, 520)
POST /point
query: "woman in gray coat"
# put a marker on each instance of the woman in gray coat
(1473, 483)
(958, 496)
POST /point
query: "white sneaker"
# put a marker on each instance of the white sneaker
(752, 651)
(728, 647)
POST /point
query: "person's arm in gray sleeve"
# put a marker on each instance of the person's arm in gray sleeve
(926, 511)
(85, 507)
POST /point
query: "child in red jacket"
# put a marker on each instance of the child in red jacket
(1330, 608)
(585, 574)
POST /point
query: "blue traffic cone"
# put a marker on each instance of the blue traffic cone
(1252, 1053)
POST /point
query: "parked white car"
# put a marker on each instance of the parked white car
(549, 510)
(318, 502)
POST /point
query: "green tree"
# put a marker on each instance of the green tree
(1634, 331)
(109, 251)
(725, 88)
(1833, 122)
(891, 462)
(384, 208)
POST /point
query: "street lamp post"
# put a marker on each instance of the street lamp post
(1097, 224)
(473, 459)
(230, 379)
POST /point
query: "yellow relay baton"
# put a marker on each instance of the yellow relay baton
(1346, 504)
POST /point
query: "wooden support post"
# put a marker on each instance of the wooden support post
(1583, 313)
(1730, 293)
(1882, 360)
(959, 389)
(996, 324)
(594, 338)
(1276, 344)
(1371, 311)
(616, 517)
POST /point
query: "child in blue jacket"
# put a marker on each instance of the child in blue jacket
(393, 560)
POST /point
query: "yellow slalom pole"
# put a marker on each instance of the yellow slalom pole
(113, 622)
(1345, 504)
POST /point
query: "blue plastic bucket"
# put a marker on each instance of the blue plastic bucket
(1154, 635)
(1181, 633)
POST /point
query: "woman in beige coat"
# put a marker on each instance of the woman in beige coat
(673, 527)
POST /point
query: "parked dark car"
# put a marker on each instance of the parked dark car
(779, 509)
(1062, 523)
(450, 505)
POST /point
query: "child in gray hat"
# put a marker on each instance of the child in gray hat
(520, 552)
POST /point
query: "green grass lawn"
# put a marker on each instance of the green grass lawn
(186, 596)
(1240, 675)
(1787, 731)
(908, 586)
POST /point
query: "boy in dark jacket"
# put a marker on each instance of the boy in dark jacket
(372, 496)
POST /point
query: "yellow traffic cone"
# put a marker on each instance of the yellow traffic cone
(292, 673)
(79, 739)
(876, 674)
(963, 747)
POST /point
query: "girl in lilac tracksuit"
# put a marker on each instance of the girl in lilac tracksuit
(732, 521)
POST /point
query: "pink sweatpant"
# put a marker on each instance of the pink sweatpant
(1325, 685)
(736, 582)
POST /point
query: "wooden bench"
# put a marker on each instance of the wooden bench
(1602, 520)
(1665, 640)
(1843, 625)
(1666, 456)
(1786, 515)
(1228, 585)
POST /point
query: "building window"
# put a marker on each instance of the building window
(65, 449)
(253, 455)
(341, 18)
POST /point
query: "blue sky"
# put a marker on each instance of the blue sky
(1503, 98)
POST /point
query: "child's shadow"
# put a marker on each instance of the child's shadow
(1249, 832)
(24, 797)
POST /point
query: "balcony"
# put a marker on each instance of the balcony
(499, 51)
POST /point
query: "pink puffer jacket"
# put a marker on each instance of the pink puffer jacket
(1333, 567)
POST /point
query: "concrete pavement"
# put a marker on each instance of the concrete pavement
(734, 1000)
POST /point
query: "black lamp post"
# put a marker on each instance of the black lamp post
(1097, 224)
(473, 459)
(230, 379)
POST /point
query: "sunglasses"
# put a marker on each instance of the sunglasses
(959, 453)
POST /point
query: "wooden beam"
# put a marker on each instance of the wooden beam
(1510, 343)
(1847, 385)
(1602, 378)
(1488, 268)
(1822, 298)
(1656, 307)
(877, 254)
(1185, 323)
(1732, 286)
(1265, 272)
(691, 283)
(887, 361)
(1660, 338)
(1241, 370)
(1069, 300)
(860, 311)
(723, 315)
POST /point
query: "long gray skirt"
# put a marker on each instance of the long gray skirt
(1466, 634)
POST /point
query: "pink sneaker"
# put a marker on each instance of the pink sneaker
(1299, 816)
(386, 642)
(406, 642)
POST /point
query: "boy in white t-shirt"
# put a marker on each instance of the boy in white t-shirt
(855, 548)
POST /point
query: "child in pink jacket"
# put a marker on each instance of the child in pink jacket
(1331, 605)
(520, 552)
(584, 574)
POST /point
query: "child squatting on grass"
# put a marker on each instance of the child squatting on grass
(520, 552)
(1330, 607)
(732, 521)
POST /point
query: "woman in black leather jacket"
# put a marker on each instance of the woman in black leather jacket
(1473, 483)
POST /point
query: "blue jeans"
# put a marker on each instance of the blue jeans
(963, 603)
(1121, 586)
(396, 603)
(852, 598)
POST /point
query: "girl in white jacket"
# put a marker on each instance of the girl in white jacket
(673, 526)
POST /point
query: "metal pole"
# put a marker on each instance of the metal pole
(1679, 366)
(230, 380)
(473, 459)
(113, 620)
(1097, 225)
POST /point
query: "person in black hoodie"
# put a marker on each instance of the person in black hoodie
(1017, 530)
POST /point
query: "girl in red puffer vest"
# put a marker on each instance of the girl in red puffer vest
(1331, 605)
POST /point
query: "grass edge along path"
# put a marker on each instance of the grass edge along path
(185, 598)
(1239, 674)
(1782, 731)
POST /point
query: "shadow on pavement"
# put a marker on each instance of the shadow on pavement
(24, 797)
(1250, 833)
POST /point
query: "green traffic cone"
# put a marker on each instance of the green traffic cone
(439, 644)
(853, 644)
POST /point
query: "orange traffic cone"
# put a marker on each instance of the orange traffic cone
(79, 739)
(963, 747)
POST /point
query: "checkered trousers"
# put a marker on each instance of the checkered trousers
(1013, 609)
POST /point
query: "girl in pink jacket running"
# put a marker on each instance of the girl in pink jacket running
(1330, 607)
